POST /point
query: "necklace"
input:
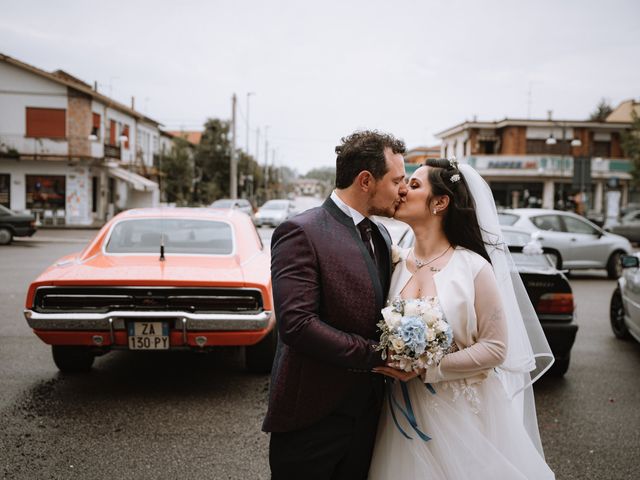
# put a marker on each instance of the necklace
(424, 263)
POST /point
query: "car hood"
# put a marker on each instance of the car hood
(147, 269)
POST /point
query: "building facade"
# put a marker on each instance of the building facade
(564, 164)
(69, 154)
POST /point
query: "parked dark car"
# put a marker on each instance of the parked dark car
(14, 224)
(548, 289)
(629, 226)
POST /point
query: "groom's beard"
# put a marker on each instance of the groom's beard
(383, 212)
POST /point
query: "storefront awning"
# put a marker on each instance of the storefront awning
(138, 182)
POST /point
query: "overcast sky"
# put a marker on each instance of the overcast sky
(322, 69)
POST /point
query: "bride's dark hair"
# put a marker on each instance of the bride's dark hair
(460, 221)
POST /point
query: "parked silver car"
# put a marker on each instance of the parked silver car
(625, 301)
(274, 212)
(241, 204)
(580, 243)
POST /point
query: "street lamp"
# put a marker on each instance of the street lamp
(551, 140)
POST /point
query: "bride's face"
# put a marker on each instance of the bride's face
(415, 207)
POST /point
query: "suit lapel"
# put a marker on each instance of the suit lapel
(347, 221)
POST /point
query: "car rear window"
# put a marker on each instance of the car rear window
(507, 219)
(180, 236)
(536, 261)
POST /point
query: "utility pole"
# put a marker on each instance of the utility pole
(233, 177)
(247, 126)
(258, 145)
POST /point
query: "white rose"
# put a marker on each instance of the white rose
(441, 326)
(412, 309)
(398, 344)
(429, 318)
(431, 335)
(391, 318)
(395, 254)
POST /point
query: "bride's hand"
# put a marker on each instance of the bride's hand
(395, 373)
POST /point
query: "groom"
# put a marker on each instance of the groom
(331, 268)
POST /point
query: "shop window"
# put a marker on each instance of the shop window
(46, 122)
(5, 190)
(46, 192)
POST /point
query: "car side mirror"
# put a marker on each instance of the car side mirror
(629, 261)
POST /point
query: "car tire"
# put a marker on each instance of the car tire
(616, 316)
(72, 359)
(560, 366)
(614, 267)
(6, 236)
(259, 357)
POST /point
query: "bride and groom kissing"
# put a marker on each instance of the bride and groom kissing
(333, 407)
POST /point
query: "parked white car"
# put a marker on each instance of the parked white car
(625, 301)
(580, 243)
(274, 212)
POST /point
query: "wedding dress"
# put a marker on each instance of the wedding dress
(475, 418)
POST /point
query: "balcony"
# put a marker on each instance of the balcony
(112, 151)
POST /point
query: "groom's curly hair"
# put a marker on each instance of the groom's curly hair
(460, 221)
(364, 150)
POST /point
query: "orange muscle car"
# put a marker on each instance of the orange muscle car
(159, 279)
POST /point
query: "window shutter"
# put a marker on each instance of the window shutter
(46, 122)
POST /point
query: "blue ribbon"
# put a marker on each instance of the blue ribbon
(408, 411)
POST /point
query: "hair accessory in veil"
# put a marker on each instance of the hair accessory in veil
(453, 162)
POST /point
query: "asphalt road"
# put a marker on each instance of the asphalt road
(172, 415)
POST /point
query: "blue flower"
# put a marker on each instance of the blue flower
(413, 333)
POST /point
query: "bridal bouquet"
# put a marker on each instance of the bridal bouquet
(415, 333)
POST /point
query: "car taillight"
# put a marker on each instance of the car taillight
(32, 223)
(555, 303)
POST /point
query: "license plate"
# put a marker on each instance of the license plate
(148, 335)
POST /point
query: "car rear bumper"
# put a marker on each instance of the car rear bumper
(560, 336)
(186, 330)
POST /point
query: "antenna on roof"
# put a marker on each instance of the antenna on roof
(162, 247)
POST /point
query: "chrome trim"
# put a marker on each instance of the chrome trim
(191, 321)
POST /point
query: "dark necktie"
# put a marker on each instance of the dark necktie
(365, 233)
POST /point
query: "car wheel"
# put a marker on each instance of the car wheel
(560, 366)
(6, 236)
(614, 267)
(616, 316)
(72, 359)
(259, 357)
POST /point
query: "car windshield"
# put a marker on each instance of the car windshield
(184, 236)
(276, 205)
(222, 204)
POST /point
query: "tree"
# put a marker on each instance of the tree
(176, 170)
(212, 162)
(631, 146)
(324, 174)
(602, 111)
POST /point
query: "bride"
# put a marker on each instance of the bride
(478, 410)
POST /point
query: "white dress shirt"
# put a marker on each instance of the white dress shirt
(355, 215)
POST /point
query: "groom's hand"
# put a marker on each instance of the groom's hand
(395, 373)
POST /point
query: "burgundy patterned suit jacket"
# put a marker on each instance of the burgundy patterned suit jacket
(328, 295)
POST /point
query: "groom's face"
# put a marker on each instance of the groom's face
(390, 190)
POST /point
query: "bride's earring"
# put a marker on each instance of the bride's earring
(435, 211)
